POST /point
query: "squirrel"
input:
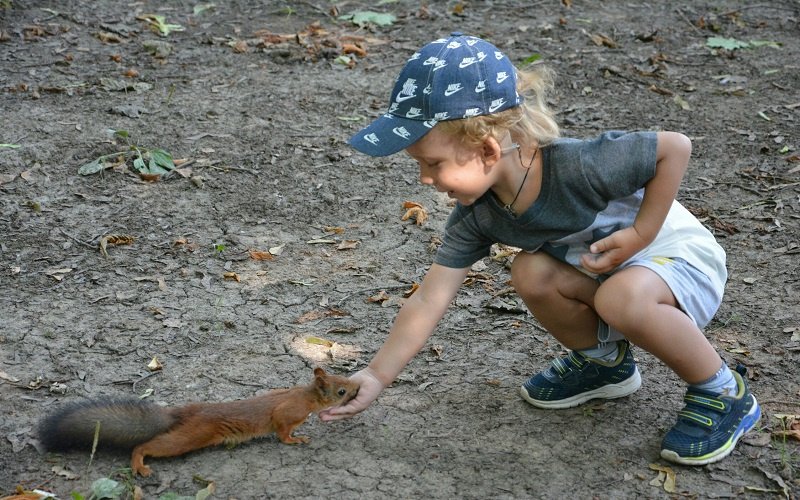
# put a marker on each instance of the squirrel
(156, 431)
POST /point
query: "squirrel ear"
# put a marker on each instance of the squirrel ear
(319, 372)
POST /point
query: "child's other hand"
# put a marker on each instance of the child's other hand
(613, 250)
(367, 393)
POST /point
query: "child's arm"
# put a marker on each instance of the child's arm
(413, 326)
(672, 158)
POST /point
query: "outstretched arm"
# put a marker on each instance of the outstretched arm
(413, 326)
(672, 158)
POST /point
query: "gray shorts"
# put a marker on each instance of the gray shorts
(693, 290)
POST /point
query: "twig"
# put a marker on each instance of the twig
(76, 240)
(690, 23)
(239, 169)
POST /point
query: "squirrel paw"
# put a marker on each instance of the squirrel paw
(142, 470)
(295, 439)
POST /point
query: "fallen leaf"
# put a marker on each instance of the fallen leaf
(63, 472)
(348, 244)
(319, 341)
(380, 297)
(240, 46)
(415, 211)
(114, 239)
(259, 255)
(659, 90)
(351, 48)
(333, 229)
(408, 293)
(666, 476)
(231, 276)
(154, 364)
(680, 101)
(58, 274)
(6, 376)
(603, 40)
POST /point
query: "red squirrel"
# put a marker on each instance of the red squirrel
(155, 431)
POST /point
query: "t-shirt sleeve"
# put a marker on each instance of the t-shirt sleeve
(463, 243)
(618, 164)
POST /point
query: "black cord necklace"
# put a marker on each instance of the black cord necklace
(509, 207)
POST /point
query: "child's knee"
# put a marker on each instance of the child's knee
(534, 274)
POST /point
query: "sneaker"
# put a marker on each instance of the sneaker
(710, 425)
(575, 379)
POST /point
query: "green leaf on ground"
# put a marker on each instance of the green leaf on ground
(718, 42)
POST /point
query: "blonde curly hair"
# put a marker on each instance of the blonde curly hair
(531, 122)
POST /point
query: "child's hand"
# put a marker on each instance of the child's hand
(367, 393)
(613, 250)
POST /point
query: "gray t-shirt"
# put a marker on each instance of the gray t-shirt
(590, 189)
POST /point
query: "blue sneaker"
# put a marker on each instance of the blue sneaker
(710, 425)
(575, 379)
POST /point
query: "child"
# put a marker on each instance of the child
(609, 258)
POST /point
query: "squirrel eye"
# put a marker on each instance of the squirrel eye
(342, 391)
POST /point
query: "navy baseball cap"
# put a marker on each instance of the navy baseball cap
(447, 79)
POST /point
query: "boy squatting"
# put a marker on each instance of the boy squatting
(609, 256)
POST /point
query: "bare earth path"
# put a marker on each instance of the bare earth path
(259, 100)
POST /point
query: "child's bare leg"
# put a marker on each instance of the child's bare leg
(559, 296)
(638, 303)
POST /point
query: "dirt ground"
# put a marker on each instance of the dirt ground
(267, 253)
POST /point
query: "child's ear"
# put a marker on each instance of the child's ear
(491, 151)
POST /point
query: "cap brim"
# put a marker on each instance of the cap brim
(389, 134)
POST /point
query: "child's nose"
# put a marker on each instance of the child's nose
(424, 175)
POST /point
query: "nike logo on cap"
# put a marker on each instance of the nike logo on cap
(452, 89)
(496, 104)
(402, 132)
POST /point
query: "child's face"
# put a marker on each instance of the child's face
(451, 167)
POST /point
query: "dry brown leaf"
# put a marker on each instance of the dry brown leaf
(240, 47)
(416, 211)
(154, 365)
(659, 90)
(149, 177)
(231, 276)
(114, 239)
(408, 293)
(259, 255)
(348, 244)
(333, 229)
(666, 476)
(106, 37)
(603, 40)
(379, 297)
(351, 48)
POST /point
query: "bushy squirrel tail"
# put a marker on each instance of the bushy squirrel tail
(124, 423)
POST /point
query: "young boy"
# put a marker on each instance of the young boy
(608, 256)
